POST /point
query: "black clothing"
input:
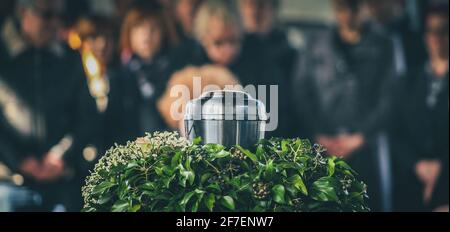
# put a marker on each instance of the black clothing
(45, 107)
(135, 89)
(344, 88)
(408, 45)
(278, 50)
(419, 131)
(53, 93)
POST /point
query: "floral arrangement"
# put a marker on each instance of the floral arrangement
(166, 173)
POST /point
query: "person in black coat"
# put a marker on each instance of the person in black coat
(260, 23)
(47, 115)
(342, 92)
(261, 29)
(420, 127)
(138, 83)
(390, 19)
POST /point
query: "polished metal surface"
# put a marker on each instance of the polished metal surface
(226, 117)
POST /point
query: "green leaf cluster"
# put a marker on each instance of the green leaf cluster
(165, 173)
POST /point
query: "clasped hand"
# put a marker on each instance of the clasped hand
(49, 169)
(343, 145)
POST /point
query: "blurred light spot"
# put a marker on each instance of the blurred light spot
(17, 179)
(74, 40)
(90, 153)
(91, 65)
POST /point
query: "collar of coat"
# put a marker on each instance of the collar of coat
(16, 44)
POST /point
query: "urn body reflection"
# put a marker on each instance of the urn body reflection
(226, 117)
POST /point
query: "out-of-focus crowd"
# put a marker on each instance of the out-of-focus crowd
(76, 77)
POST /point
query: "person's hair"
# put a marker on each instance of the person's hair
(223, 10)
(147, 12)
(91, 26)
(438, 9)
(274, 3)
(58, 7)
(25, 3)
(175, 2)
(353, 5)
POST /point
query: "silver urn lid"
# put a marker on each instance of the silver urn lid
(226, 117)
(226, 105)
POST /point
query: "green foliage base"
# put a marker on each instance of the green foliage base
(166, 173)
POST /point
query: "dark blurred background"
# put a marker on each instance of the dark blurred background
(366, 78)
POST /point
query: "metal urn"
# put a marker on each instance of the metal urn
(226, 117)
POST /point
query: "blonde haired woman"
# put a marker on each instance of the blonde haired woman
(219, 40)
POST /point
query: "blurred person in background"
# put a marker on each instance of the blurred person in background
(47, 115)
(146, 40)
(94, 37)
(184, 12)
(420, 128)
(389, 18)
(96, 34)
(342, 91)
(259, 19)
(6, 7)
(220, 40)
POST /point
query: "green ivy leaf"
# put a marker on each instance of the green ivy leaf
(101, 188)
(135, 208)
(197, 141)
(89, 210)
(343, 165)
(148, 186)
(210, 201)
(186, 198)
(331, 166)
(228, 202)
(221, 154)
(284, 146)
(269, 170)
(176, 159)
(247, 153)
(298, 183)
(188, 163)
(187, 176)
(279, 194)
(213, 148)
(105, 199)
(121, 206)
(195, 206)
(324, 190)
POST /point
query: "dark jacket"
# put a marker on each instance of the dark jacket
(278, 50)
(343, 88)
(135, 90)
(45, 104)
(419, 132)
(250, 67)
(408, 45)
(57, 105)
